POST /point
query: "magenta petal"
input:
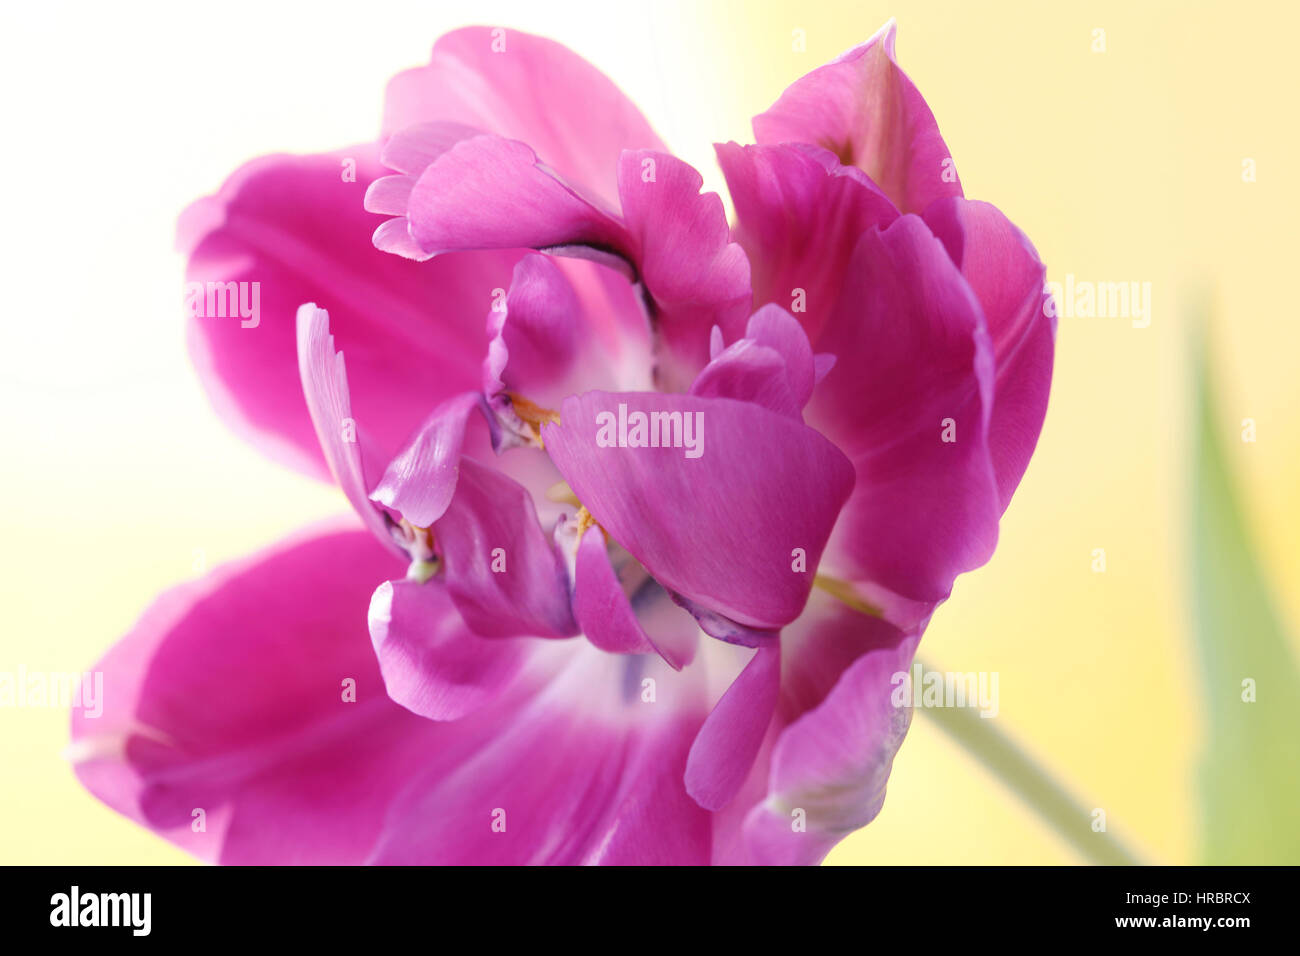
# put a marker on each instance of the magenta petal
(599, 604)
(728, 742)
(799, 214)
(673, 632)
(775, 328)
(293, 227)
(242, 695)
(546, 343)
(819, 647)
(325, 386)
(527, 88)
(722, 529)
(696, 276)
(419, 482)
(908, 402)
(865, 110)
(587, 771)
(394, 236)
(534, 337)
(494, 193)
(604, 612)
(432, 664)
(660, 824)
(411, 150)
(491, 193)
(566, 326)
(1005, 273)
(772, 365)
(749, 372)
(506, 578)
(832, 763)
(724, 628)
(389, 195)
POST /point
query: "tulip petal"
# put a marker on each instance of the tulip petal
(772, 365)
(738, 529)
(582, 772)
(728, 742)
(420, 481)
(775, 328)
(799, 215)
(1006, 275)
(565, 324)
(394, 236)
(749, 372)
(389, 195)
(724, 628)
(532, 348)
(605, 612)
(908, 402)
(231, 696)
(411, 150)
(675, 634)
(697, 277)
(432, 664)
(535, 336)
(819, 647)
(527, 88)
(491, 193)
(599, 604)
(832, 763)
(505, 577)
(295, 226)
(866, 111)
(329, 403)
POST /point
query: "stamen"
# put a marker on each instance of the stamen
(846, 594)
(561, 493)
(532, 413)
(416, 540)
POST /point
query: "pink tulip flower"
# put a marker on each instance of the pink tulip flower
(652, 508)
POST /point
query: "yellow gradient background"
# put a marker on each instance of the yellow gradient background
(118, 481)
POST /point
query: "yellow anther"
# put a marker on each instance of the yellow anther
(561, 493)
(532, 413)
(846, 594)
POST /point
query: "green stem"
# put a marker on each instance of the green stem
(1030, 782)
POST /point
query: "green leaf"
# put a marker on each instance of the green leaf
(1250, 774)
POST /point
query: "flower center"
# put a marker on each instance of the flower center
(418, 543)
